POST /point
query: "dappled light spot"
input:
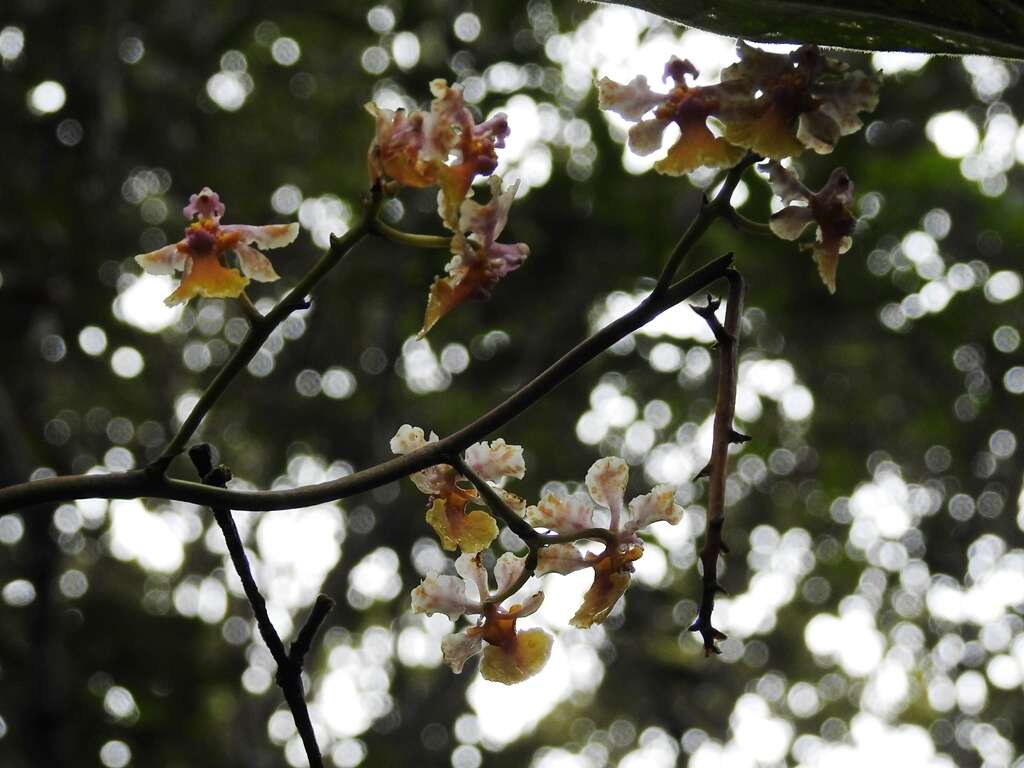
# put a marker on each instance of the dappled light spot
(46, 98)
(954, 134)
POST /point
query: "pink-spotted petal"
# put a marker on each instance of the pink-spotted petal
(469, 567)
(562, 514)
(164, 261)
(496, 460)
(632, 100)
(561, 558)
(785, 184)
(267, 236)
(255, 265)
(658, 505)
(528, 607)
(791, 221)
(606, 481)
(408, 439)
(645, 136)
(816, 130)
(459, 647)
(486, 221)
(443, 594)
(507, 570)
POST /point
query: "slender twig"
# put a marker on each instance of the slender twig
(252, 314)
(143, 482)
(721, 205)
(378, 227)
(727, 337)
(289, 663)
(494, 501)
(260, 329)
(749, 226)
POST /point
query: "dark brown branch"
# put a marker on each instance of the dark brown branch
(289, 663)
(727, 337)
(151, 482)
(720, 206)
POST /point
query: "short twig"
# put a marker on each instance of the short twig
(727, 336)
(289, 663)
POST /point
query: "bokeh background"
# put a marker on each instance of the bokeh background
(877, 569)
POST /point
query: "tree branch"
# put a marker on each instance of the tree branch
(727, 337)
(289, 663)
(149, 482)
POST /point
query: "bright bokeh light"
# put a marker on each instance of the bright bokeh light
(149, 538)
(141, 304)
(46, 98)
(954, 134)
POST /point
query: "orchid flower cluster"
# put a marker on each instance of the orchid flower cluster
(773, 104)
(510, 655)
(444, 147)
(447, 148)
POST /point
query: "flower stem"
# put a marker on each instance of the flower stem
(381, 229)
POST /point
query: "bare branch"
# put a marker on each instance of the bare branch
(289, 665)
(727, 336)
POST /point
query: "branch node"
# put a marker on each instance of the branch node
(300, 647)
(738, 437)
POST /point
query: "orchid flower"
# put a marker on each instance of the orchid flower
(606, 483)
(829, 208)
(200, 254)
(478, 260)
(510, 656)
(685, 105)
(446, 512)
(445, 146)
(804, 100)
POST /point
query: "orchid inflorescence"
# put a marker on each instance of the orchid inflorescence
(767, 106)
(512, 656)
(775, 105)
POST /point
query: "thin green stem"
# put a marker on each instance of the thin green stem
(747, 226)
(610, 538)
(261, 328)
(254, 315)
(414, 240)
